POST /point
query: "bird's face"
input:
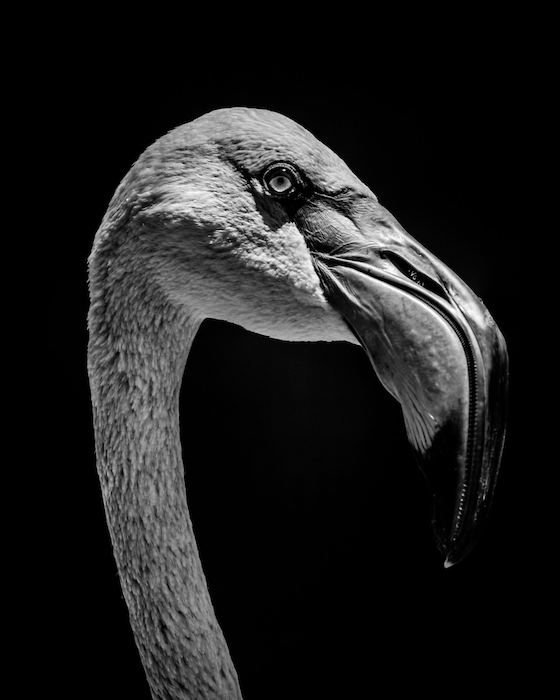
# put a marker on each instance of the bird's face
(260, 224)
(221, 196)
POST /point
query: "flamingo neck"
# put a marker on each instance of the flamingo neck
(136, 356)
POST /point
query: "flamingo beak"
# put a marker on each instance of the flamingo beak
(437, 350)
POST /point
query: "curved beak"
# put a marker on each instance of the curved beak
(437, 350)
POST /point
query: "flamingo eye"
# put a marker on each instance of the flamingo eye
(281, 180)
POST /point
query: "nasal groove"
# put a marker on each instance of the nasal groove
(406, 269)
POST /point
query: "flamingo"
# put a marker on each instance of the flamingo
(242, 215)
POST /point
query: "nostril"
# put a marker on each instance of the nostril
(415, 277)
(419, 278)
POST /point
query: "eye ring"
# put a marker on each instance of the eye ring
(281, 180)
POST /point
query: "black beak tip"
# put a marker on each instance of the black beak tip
(442, 536)
(451, 551)
(453, 557)
(450, 556)
(454, 552)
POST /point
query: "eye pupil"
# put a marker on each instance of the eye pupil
(280, 183)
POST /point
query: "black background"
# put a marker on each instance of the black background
(312, 519)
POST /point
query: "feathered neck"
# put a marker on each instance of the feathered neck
(138, 348)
